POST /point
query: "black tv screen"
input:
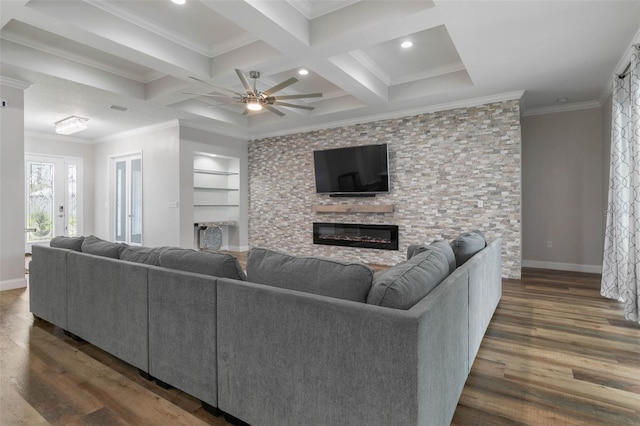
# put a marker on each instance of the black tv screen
(352, 170)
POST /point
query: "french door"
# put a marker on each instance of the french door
(53, 198)
(127, 200)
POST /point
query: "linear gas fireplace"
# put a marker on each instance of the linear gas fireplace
(383, 237)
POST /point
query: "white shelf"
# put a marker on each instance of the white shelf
(215, 172)
(205, 188)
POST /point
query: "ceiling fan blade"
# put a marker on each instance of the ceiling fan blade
(280, 86)
(209, 84)
(272, 109)
(306, 95)
(245, 82)
(285, 104)
(207, 95)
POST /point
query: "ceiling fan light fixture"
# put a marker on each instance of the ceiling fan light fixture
(253, 105)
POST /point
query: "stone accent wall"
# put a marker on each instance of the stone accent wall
(450, 171)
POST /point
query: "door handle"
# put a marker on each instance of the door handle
(30, 229)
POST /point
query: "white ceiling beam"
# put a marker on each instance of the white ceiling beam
(36, 60)
(108, 33)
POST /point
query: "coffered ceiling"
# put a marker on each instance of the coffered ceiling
(84, 56)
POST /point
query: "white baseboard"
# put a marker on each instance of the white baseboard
(238, 248)
(574, 267)
(13, 284)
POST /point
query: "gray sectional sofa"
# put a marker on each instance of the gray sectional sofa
(275, 352)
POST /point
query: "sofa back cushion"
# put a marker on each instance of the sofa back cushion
(71, 243)
(222, 265)
(146, 255)
(317, 275)
(100, 247)
(468, 244)
(443, 246)
(404, 284)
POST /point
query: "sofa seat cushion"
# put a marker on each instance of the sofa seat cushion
(146, 255)
(468, 244)
(443, 246)
(100, 247)
(317, 275)
(70, 243)
(406, 283)
(222, 265)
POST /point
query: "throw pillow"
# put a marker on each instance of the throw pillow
(146, 255)
(443, 246)
(71, 243)
(222, 265)
(317, 275)
(406, 283)
(468, 244)
(99, 247)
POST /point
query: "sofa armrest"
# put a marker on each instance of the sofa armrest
(485, 291)
(292, 358)
(48, 284)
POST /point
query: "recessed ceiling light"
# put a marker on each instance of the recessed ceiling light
(562, 100)
(406, 44)
(119, 108)
(303, 71)
(179, 1)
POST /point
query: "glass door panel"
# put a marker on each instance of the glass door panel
(128, 199)
(40, 201)
(136, 201)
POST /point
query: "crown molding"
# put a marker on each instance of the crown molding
(434, 72)
(139, 131)
(16, 84)
(224, 131)
(366, 61)
(56, 137)
(466, 103)
(562, 108)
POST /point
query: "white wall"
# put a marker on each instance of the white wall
(192, 141)
(159, 145)
(57, 146)
(562, 182)
(12, 186)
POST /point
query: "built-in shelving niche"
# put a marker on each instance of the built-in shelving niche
(216, 188)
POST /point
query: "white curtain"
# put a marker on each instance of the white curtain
(621, 263)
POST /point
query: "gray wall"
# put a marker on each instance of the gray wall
(562, 187)
(443, 165)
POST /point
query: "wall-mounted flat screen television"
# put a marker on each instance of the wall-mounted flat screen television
(352, 170)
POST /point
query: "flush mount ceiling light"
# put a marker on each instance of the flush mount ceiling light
(406, 44)
(179, 1)
(303, 71)
(71, 125)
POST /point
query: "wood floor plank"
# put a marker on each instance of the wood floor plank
(555, 353)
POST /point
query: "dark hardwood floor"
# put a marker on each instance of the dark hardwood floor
(555, 353)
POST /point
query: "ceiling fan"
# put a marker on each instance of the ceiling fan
(256, 100)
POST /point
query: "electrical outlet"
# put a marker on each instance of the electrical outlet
(549, 244)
